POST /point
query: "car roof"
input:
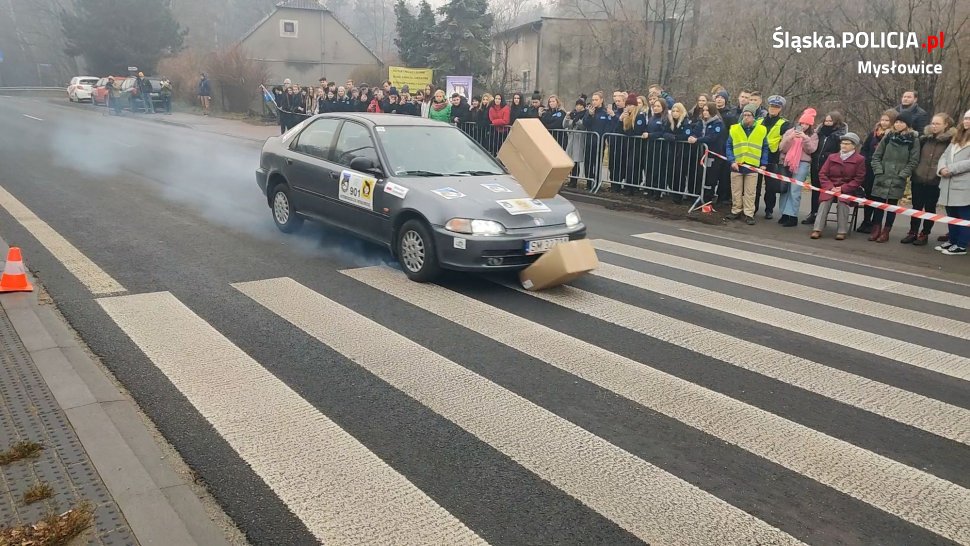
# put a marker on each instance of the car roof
(386, 119)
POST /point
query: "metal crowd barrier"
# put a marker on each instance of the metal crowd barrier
(656, 166)
(487, 136)
(586, 150)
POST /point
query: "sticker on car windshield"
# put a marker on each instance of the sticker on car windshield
(396, 190)
(449, 193)
(357, 189)
(497, 188)
(523, 206)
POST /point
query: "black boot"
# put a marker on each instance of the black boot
(809, 221)
(864, 227)
(791, 222)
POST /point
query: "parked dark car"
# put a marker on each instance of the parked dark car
(136, 101)
(422, 188)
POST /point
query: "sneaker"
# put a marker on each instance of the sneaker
(943, 247)
(768, 216)
(749, 220)
(955, 250)
(732, 216)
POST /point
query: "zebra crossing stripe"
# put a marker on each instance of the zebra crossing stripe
(908, 493)
(875, 344)
(344, 493)
(843, 302)
(847, 277)
(909, 408)
(643, 499)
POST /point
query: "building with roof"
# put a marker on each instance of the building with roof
(302, 40)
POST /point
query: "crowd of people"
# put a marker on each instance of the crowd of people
(654, 144)
(139, 96)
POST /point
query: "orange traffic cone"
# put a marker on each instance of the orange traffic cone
(14, 274)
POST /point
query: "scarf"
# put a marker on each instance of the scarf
(439, 106)
(902, 139)
(794, 156)
(846, 155)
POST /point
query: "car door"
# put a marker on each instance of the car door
(360, 194)
(307, 168)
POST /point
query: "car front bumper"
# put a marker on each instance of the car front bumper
(494, 253)
(81, 94)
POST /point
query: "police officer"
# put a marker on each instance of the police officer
(777, 126)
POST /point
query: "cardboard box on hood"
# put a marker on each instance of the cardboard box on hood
(563, 263)
(535, 159)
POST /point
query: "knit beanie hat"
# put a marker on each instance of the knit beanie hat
(906, 116)
(725, 94)
(631, 99)
(581, 101)
(536, 95)
(808, 117)
(751, 107)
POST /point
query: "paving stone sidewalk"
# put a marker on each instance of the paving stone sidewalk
(29, 412)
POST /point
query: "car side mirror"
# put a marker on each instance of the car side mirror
(365, 165)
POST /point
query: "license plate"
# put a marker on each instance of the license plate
(543, 245)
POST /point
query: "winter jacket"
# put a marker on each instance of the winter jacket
(729, 148)
(441, 115)
(809, 145)
(553, 119)
(920, 117)
(846, 174)
(657, 126)
(894, 161)
(955, 189)
(576, 146)
(480, 116)
(668, 99)
(462, 112)
(205, 88)
(713, 133)
(869, 146)
(828, 143)
(500, 117)
(731, 116)
(375, 106)
(930, 151)
(679, 132)
(409, 109)
(342, 105)
(426, 109)
(516, 112)
(601, 122)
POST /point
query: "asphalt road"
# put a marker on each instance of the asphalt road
(695, 390)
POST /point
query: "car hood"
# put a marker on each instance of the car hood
(498, 198)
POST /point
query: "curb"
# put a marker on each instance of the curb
(160, 505)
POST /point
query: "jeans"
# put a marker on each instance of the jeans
(791, 200)
(959, 235)
(925, 197)
(877, 213)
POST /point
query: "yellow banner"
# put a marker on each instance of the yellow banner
(414, 78)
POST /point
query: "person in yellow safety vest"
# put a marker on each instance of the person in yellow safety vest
(747, 146)
(777, 126)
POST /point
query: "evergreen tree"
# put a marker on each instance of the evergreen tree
(463, 39)
(115, 34)
(415, 41)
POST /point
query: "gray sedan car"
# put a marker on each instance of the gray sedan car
(422, 188)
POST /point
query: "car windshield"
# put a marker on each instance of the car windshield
(88, 81)
(434, 151)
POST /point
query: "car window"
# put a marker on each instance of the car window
(355, 141)
(434, 148)
(89, 81)
(317, 139)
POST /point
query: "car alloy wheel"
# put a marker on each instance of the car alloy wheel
(416, 252)
(281, 208)
(412, 251)
(284, 215)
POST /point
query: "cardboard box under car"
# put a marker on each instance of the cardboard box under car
(535, 159)
(563, 263)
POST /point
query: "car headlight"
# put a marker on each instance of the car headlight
(572, 219)
(475, 227)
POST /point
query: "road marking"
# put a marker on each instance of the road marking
(343, 492)
(842, 302)
(909, 408)
(643, 499)
(920, 498)
(86, 271)
(866, 281)
(867, 342)
(32, 117)
(917, 277)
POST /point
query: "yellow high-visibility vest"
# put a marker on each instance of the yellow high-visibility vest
(774, 135)
(747, 148)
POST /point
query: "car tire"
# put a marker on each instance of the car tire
(416, 252)
(284, 215)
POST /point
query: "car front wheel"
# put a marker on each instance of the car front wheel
(416, 252)
(284, 215)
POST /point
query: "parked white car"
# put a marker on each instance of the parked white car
(81, 88)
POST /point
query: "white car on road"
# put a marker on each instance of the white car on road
(81, 88)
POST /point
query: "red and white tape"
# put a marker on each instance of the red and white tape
(903, 211)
